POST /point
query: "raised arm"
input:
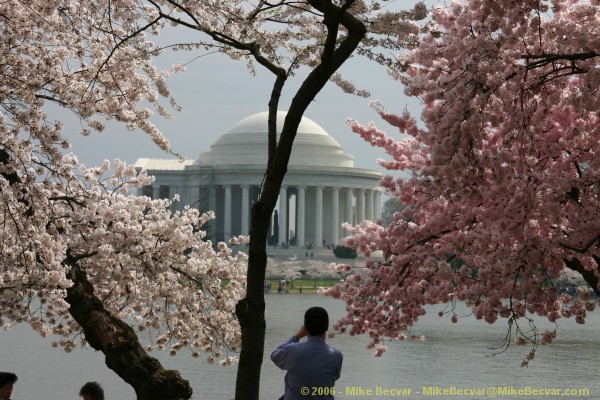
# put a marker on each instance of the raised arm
(282, 353)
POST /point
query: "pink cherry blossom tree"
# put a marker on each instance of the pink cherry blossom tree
(77, 253)
(503, 192)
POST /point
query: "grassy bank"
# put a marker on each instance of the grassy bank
(304, 286)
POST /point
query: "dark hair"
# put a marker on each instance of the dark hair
(316, 321)
(7, 378)
(92, 389)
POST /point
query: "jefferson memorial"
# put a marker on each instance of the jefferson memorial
(321, 190)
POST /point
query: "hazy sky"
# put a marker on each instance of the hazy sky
(216, 92)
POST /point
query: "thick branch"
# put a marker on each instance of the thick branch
(545, 59)
(273, 106)
(119, 343)
(309, 89)
(46, 97)
(590, 277)
(583, 249)
(219, 37)
(331, 21)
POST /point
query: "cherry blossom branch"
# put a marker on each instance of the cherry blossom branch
(252, 47)
(583, 249)
(54, 99)
(122, 42)
(68, 199)
(549, 58)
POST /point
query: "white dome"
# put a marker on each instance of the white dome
(246, 143)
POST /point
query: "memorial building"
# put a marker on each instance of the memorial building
(321, 190)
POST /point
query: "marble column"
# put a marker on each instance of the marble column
(155, 192)
(319, 217)
(360, 206)
(376, 205)
(283, 234)
(245, 209)
(300, 214)
(227, 213)
(349, 214)
(369, 205)
(335, 214)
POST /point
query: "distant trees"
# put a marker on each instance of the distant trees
(390, 207)
(505, 174)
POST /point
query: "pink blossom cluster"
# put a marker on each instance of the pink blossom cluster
(503, 195)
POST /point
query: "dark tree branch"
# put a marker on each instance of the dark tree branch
(14, 179)
(250, 310)
(273, 107)
(68, 199)
(46, 97)
(251, 47)
(589, 275)
(545, 59)
(583, 249)
(331, 20)
(119, 342)
(562, 65)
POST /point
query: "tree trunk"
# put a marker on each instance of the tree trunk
(250, 311)
(119, 343)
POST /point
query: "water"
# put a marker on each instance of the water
(454, 355)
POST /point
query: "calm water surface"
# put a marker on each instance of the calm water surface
(454, 355)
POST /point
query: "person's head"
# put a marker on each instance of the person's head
(7, 380)
(92, 391)
(316, 321)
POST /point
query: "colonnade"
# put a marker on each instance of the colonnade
(306, 214)
(314, 213)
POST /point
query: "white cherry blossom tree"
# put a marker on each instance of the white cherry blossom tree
(79, 257)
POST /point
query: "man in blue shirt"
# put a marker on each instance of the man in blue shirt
(312, 366)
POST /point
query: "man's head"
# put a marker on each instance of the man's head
(7, 380)
(316, 321)
(92, 391)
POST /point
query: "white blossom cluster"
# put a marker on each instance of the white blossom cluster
(147, 265)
